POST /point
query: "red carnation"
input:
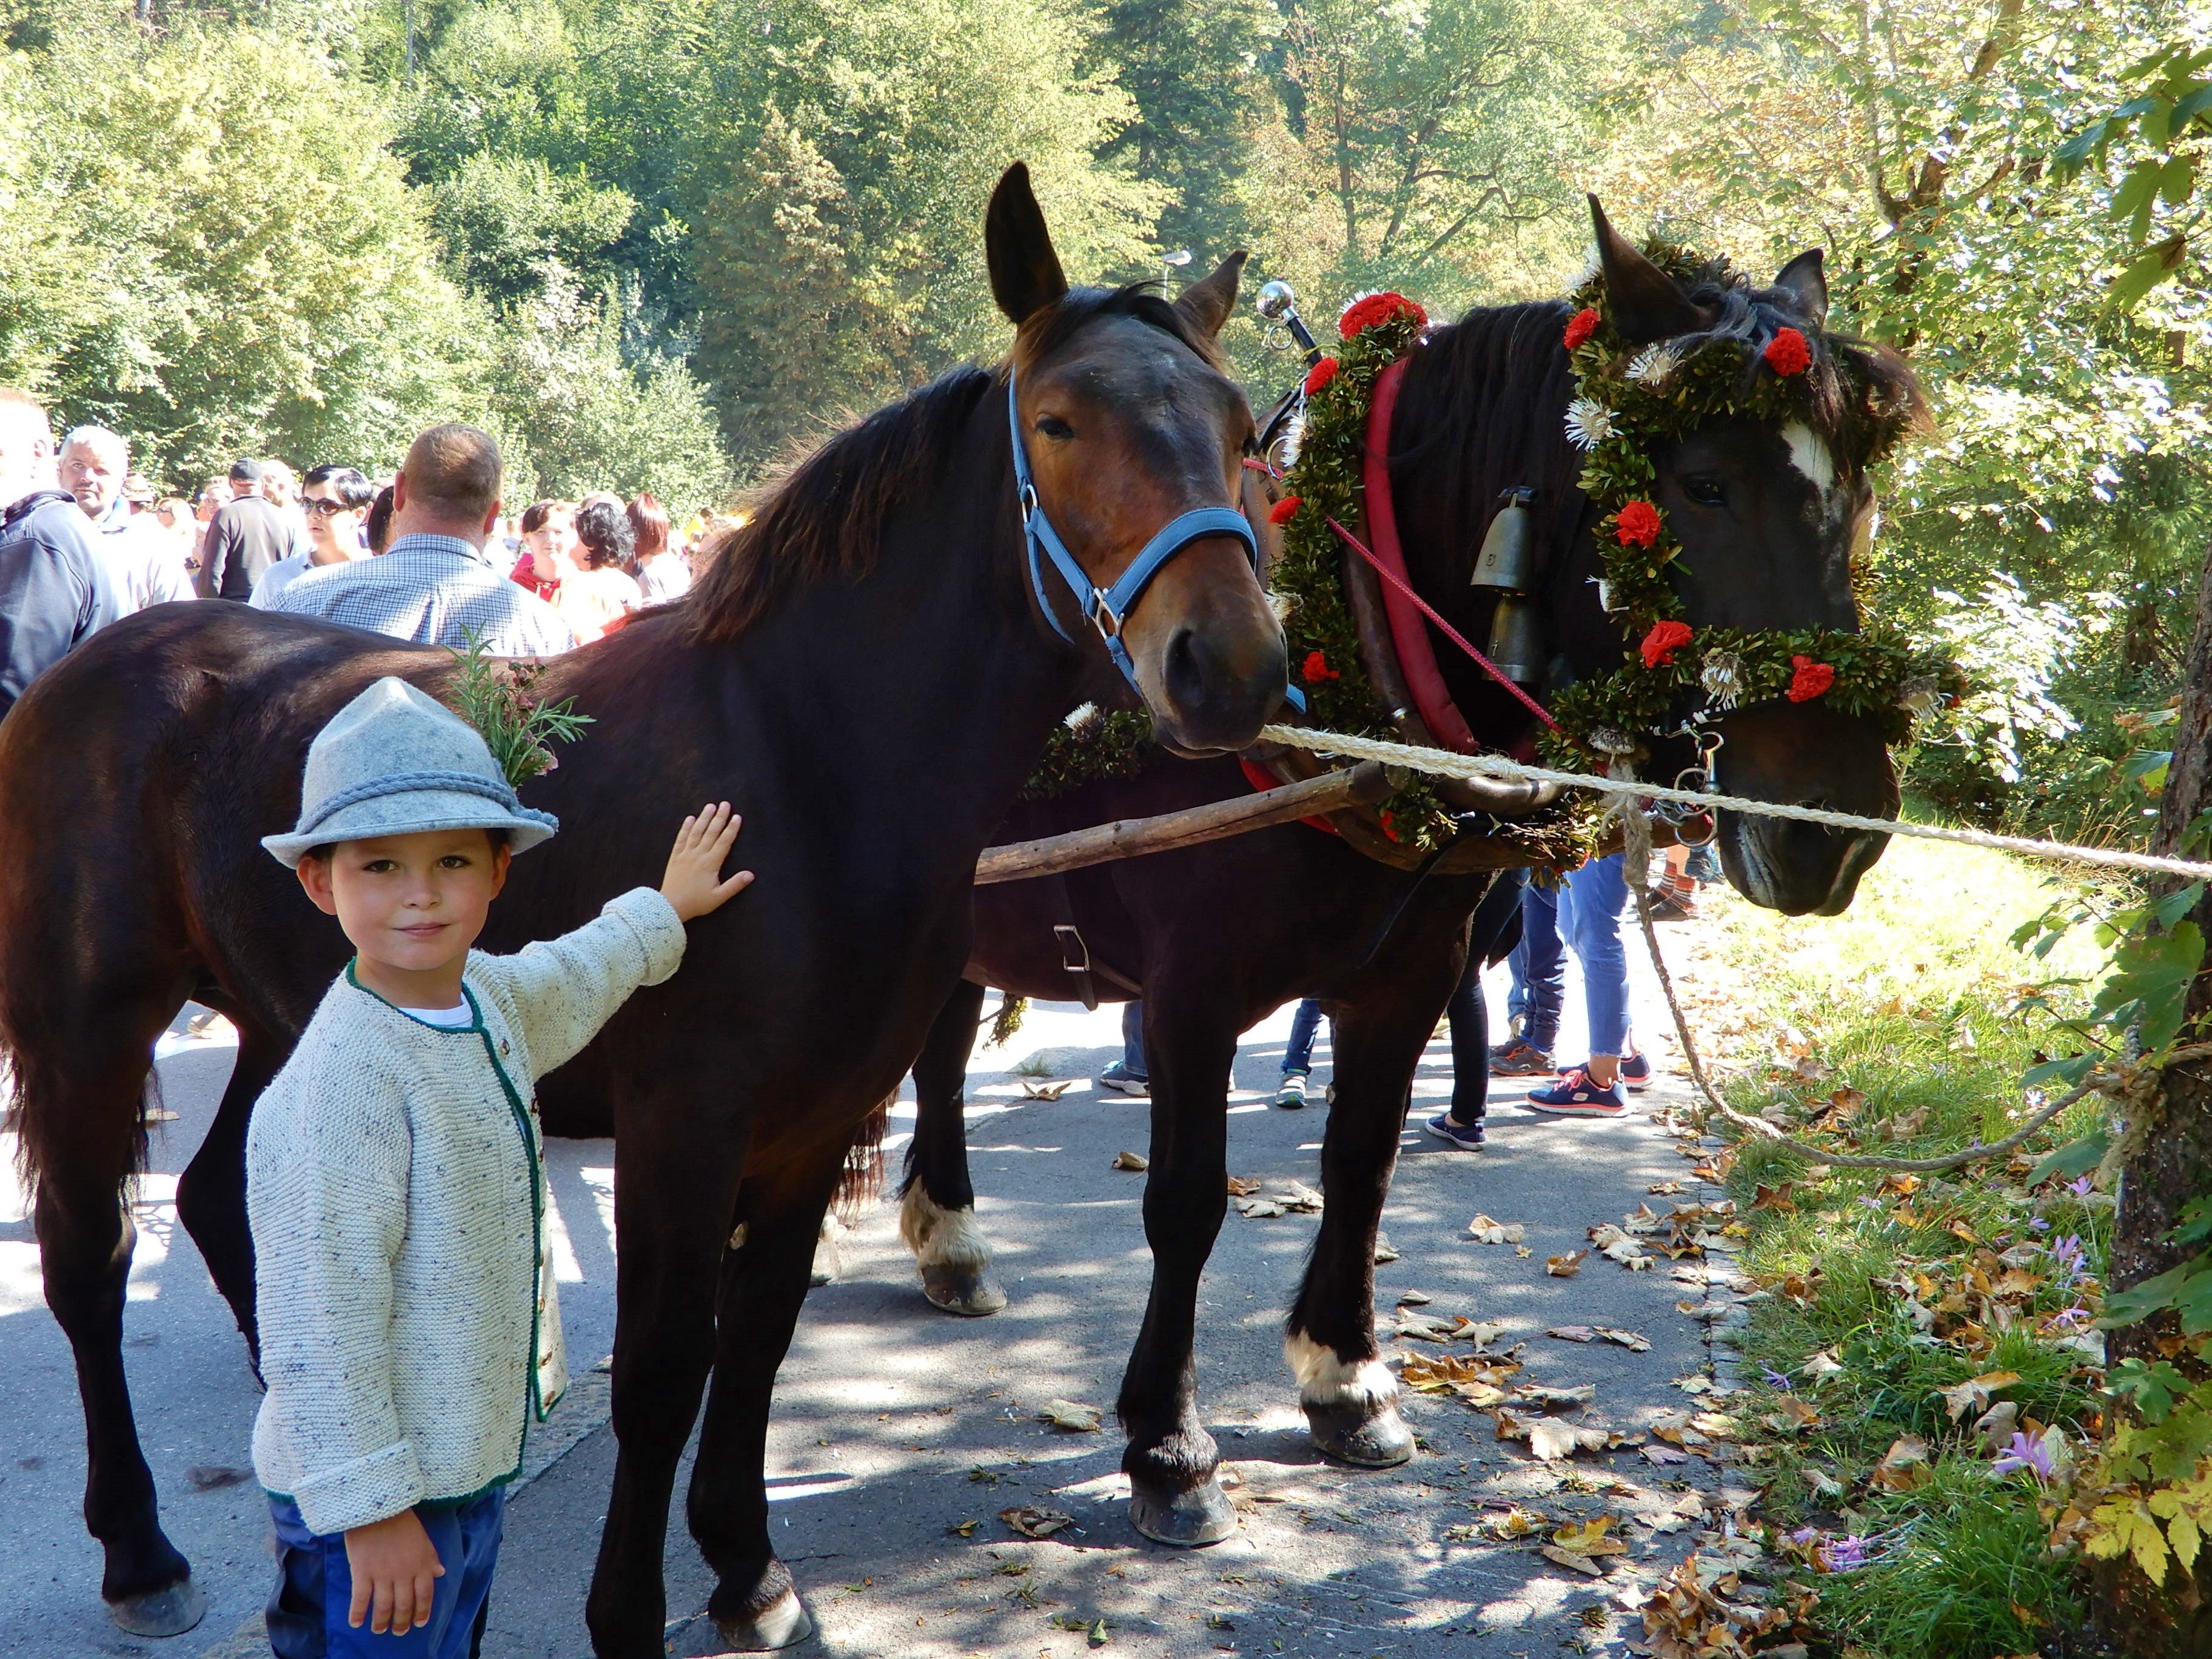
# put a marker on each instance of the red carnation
(1637, 525)
(1664, 639)
(1810, 680)
(1317, 668)
(1581, 326)
(1389, 824)
(1787, 353)
(1320, 375)
(1378, 308)
(1281, 512)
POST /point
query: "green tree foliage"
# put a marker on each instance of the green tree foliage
(837, 238)
(1198, 71)
(217, 253)
(577, 418)
(502, 217)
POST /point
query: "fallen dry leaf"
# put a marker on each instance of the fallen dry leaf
(1132, 1162)
(1663, 1455)
(1792, 1415)
(1904, 1467)
(1973, 1394)
(1616, 1245)
(1553, 1438)
(1569, 1559)
(1033, 1522)
(1046, 1090)
(1644, 1219)
(1483, 1231)
(1423, 1328)
(1822, 1362)
(1071, 1415)
(1565, 1266)
(1628, 1340)
(1572, 1333)
(1296, 1195)
(1665, 1188)
(1589, 1537)
(1482, 1334)
(1414, 1298)
(1385, 1251)
(1258, 1209)
(1551, 1399)
(1243, 1186)
(1516, 1522)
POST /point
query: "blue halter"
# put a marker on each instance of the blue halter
(1106, 608)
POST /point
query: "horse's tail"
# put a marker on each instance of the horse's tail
(862, 1182)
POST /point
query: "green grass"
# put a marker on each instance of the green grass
(1955, 1563)
(1912, 1000)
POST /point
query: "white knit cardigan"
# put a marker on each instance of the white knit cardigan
(409, 1326)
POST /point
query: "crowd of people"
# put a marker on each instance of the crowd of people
(429, 554)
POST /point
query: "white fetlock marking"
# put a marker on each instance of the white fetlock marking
(940, 1237)
(1326, 1380)
(829, 1259)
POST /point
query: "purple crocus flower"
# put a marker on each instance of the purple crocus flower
(1844, 1553)
(2023, 1453)
(2036, 1224)
(1775, 1379)
(2082, 1186)
(2066, 1318)
(2067, 1253)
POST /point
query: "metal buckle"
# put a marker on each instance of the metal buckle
(1074, 954)
(1101, 615)
(1028, 497)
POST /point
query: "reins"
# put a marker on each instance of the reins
(1107, 609)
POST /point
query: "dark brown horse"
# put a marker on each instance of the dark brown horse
(1217, 935)
(866, 671)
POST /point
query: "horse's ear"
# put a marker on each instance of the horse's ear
(1025, 274)
(1803, 280)
(1641, 299)
(1211, 302)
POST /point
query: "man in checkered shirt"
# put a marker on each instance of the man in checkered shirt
(434, 585)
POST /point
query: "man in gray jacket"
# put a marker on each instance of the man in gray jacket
(54, 588)
(247, 535)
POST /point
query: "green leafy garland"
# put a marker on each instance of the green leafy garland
(499, 699)
(1626, 401)
(1324, 484)
(1088, 745)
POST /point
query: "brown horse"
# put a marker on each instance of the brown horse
(868, 671)
(1217, 935)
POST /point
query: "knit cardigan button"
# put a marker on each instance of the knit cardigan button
(502, 1045)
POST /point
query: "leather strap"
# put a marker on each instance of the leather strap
(1417, 657)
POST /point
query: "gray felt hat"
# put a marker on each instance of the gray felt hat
(394, 761)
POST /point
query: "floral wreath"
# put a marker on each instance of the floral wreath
(1625, 400)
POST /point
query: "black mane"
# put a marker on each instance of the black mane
(824, 517)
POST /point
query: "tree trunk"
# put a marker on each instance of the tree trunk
(2175, 1165)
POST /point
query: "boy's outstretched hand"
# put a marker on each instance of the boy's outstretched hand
(395, 1569)
(694, 883)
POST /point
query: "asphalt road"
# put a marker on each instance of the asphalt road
(896, 1425)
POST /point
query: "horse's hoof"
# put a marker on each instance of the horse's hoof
(168, 1612)
(1184, 1519)
(785, 1623)
(971, 1292)
(1349, 1434)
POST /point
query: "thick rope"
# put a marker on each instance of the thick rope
(1484, 768)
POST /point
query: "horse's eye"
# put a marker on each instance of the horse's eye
(1055, 428)
(1705, 492)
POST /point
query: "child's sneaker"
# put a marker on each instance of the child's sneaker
(1118, 1076)
(1467, 1137)
(1292, 1095)
(1575, 1095)
(1520, 1058)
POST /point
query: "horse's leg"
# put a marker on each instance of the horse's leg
(1174, 1497)
(211, 1192)
(81, 1121)
(676, 1180)
(1349, 1396)
(755, 1606)
(937, 1205)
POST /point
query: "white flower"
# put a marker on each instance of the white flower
(1652, 366)
(1722, 676)
(1589, 422)
(1078, 719)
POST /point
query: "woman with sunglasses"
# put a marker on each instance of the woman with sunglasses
(335, 499)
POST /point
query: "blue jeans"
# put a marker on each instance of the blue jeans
(1540, 969)
(1298, 1053)
(314, 1586)
(1590, 902)
(1133, 1039)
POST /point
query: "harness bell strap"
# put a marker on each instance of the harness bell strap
(1106, 608)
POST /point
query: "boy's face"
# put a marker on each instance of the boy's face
(411, 903)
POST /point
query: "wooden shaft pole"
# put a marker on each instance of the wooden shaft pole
(1355, 785)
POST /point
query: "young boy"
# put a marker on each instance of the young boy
(409, 1329)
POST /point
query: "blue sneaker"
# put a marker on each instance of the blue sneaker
(1118, 1076)
(1635, 1072)
(1575, 1095)
(1467, 1137)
